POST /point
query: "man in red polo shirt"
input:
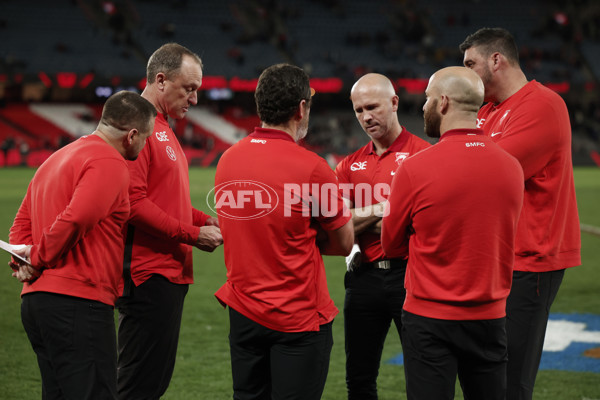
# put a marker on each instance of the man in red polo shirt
(531, 122)
(279, 210)
(157, 263)
(454, 208)
(72, 220)
(375, 290)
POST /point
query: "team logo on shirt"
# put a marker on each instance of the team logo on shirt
(475, 144)
(401, 157)
(242, 199)
(171, 153)
(161, 136)
(358, 166)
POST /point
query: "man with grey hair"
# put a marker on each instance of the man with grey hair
(454, 209)
(163, 226)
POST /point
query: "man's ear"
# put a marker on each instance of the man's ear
(496, 60)
(302, 110)
(443, 104)
(128, 139)
(160, 80)
(395, 102)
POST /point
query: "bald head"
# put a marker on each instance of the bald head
(454, 96)
(375, 106)
(373, 83)
(461, 85)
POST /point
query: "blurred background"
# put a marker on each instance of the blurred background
(61, 59)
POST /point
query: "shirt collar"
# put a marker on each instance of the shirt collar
(462, 132)
(397, 145)
(268, 133)
(164, 117)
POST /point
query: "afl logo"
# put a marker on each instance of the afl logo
(242, 200)
(171, 153)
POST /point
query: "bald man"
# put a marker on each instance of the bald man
(454, 207)
(374, 284)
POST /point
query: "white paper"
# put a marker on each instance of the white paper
(10, 248)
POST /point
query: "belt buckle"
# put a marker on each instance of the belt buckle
(383, 264)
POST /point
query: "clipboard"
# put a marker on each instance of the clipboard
(9, 248)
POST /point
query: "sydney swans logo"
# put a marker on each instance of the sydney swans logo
(242, 199)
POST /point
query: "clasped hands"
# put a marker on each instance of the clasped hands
(210, 236)
(22, 271)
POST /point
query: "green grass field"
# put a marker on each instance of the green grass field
(203, 371)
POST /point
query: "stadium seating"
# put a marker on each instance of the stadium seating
(559, 46)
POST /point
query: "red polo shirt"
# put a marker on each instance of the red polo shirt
(368, 178)
(533, 125)
(73, 214)
(455, 206)
(271, 195)
(163, 222)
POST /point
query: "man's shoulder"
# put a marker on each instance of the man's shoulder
(541, 96)
(283, 151)
(85, 153)
(533, 96)
(91, 147)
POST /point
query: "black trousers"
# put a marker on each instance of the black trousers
(272, 365)
(74, 340)
(149, 322)
(374, 298)
(436, 351)
(527, 310)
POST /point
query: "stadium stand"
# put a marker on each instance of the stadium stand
(60, 59)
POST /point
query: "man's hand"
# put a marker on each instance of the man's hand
(366, 218)
(22, 271)
(212, 221)
(209, 238)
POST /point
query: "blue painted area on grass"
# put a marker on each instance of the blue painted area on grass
(582, 334)
(398, 360)
(572, 358)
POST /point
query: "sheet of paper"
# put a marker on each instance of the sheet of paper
(10, 248)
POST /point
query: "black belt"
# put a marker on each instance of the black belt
(393, 263)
